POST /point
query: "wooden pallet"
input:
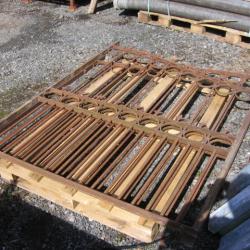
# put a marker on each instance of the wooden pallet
(216, 32)
(78, 201)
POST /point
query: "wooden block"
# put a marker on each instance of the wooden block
(142, 17)
(72, 5)
(24, 173)
(45, 193)
(121, 213)
(165, 22)
(92, 6)
(15, 171)
(26, 1)
(153, 226)
(142, 221)
(85, 199)
(102, 80)
(105, 205)
(163, 84)
(154, 18)
(196, 28)
(214, 109)
(7, 176)
(59, 188)
(69, 190)
(148, 230)
(5, 164)
(51, 184)
(232, 38)
(149, 224)
(35, 177)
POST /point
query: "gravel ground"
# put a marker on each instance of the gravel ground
(39, 44)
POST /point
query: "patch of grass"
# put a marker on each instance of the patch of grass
(14, 97)
(3, 114)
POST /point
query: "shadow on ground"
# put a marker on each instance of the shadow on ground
(226, 218)
(64, 2)
(102, 5)
(23, 226)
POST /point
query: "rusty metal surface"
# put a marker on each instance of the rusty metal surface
(135, 129)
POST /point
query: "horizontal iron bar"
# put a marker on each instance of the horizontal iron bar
(137, 127)
(143, 115)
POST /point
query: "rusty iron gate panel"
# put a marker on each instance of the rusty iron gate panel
(129, 130)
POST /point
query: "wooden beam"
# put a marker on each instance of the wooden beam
(72, 5)
(92, 6)
(102, 80)
(163, 84)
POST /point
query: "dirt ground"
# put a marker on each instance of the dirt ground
(42, 42)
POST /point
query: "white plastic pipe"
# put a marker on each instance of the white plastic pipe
(186, 11)
(234, 6)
